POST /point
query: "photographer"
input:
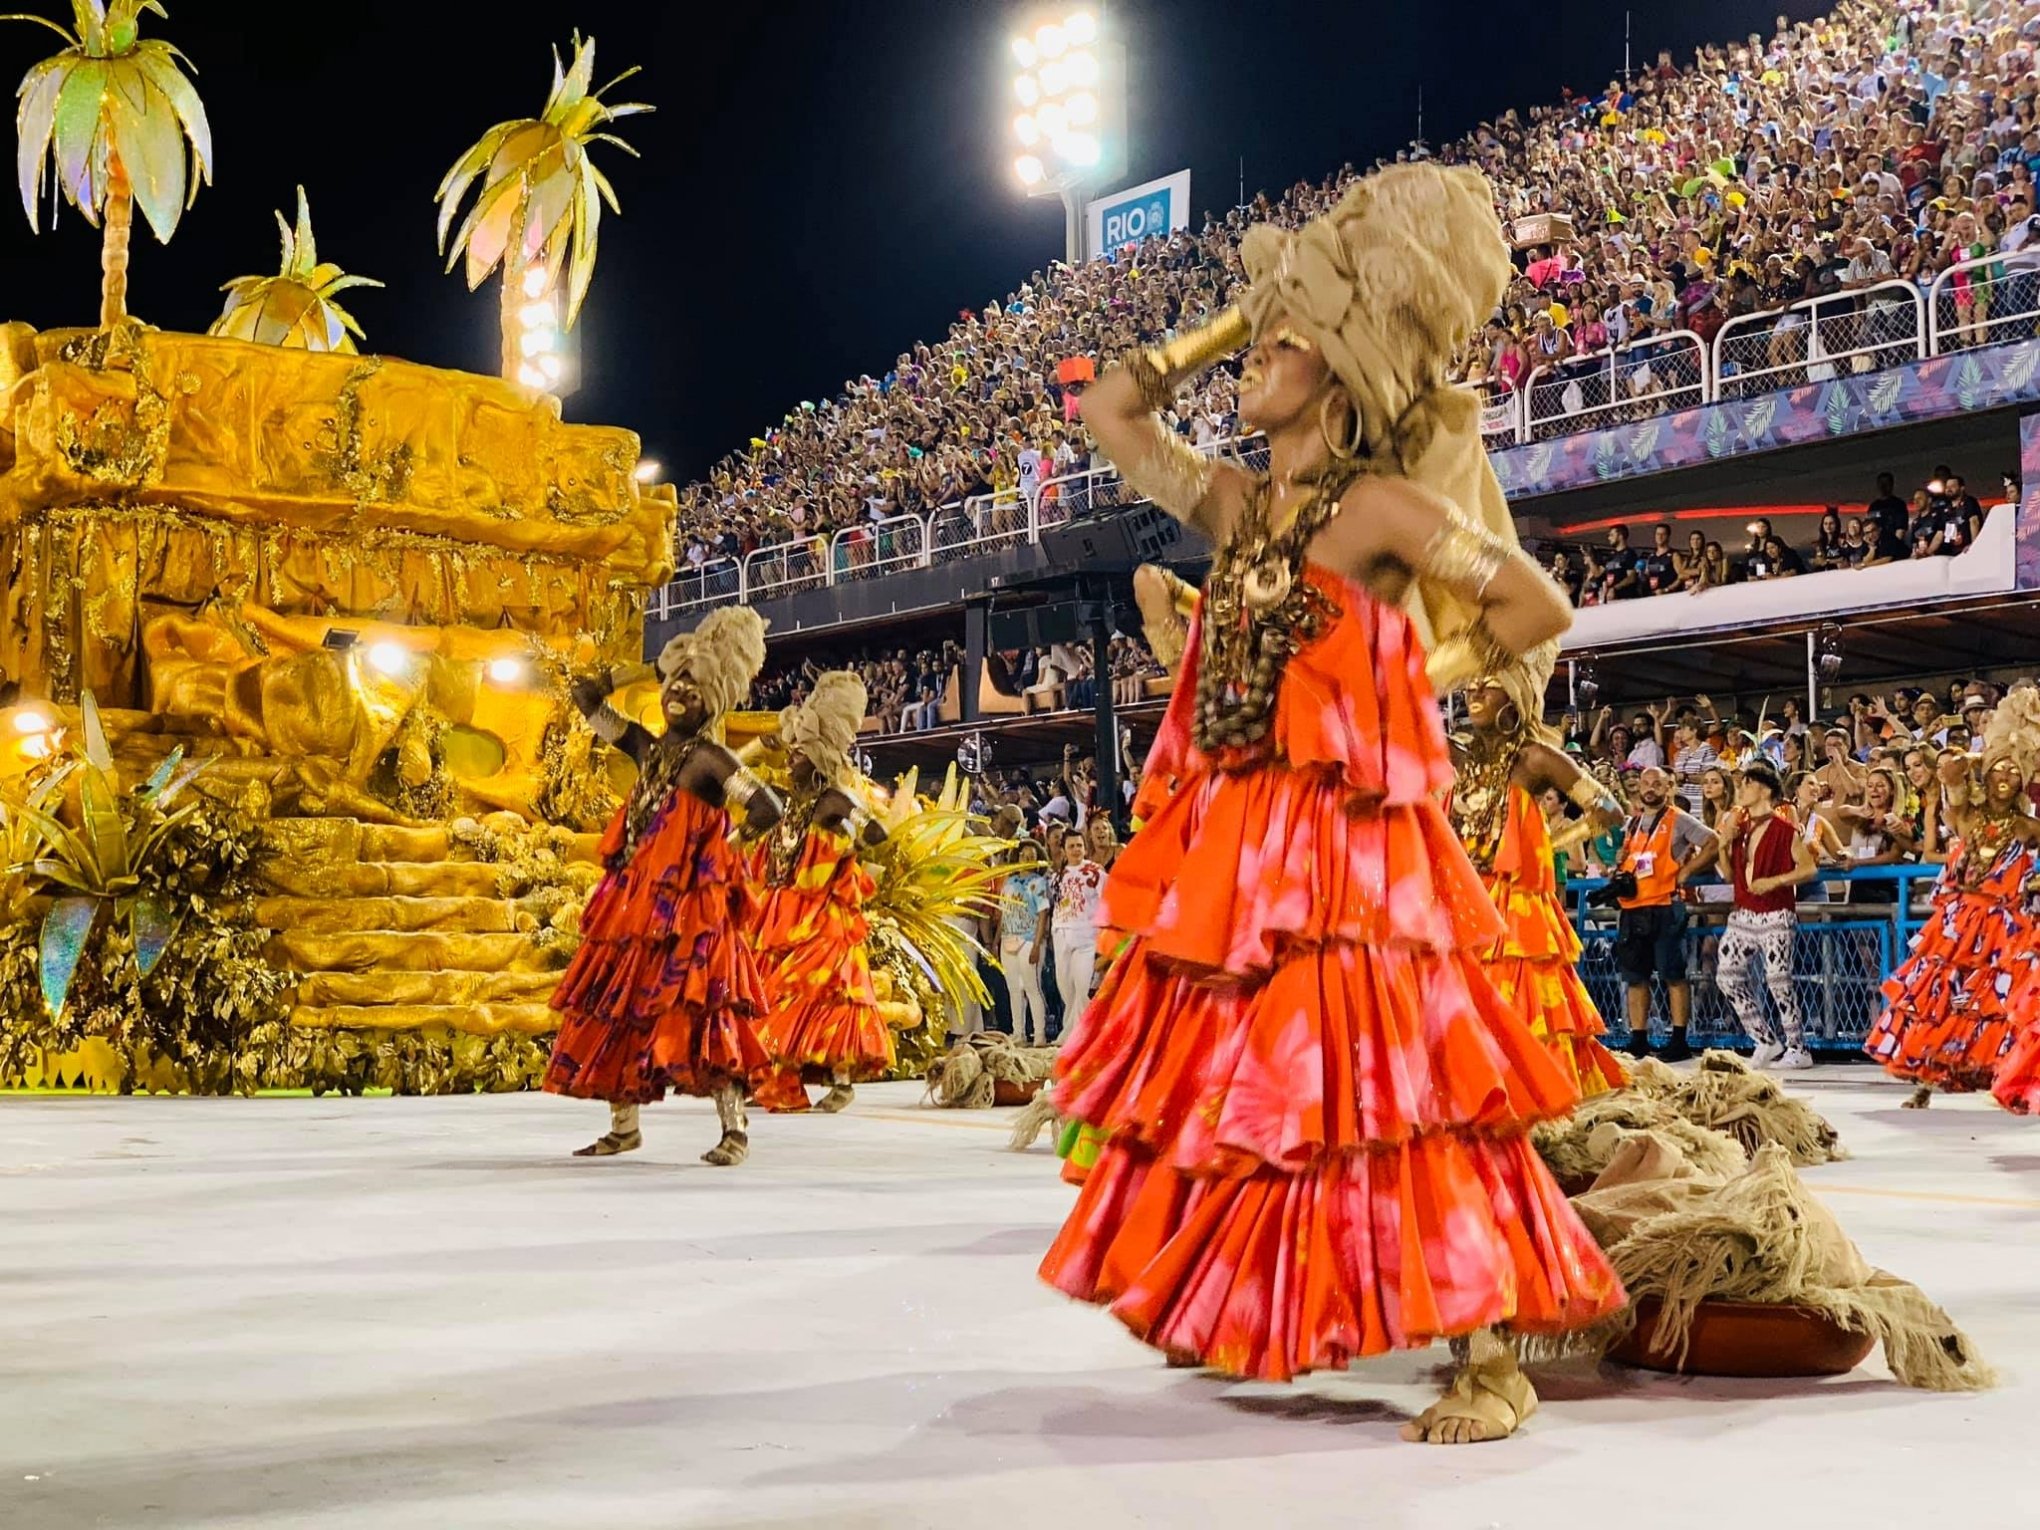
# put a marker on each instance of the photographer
(1765, 858)
(1663, 846)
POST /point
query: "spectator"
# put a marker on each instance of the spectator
(1074, 927)
(1887, 514)
(1711, 573)
(1024, 909)
(1657, 571)
(1662, 848)
(1692, 757)
(1619, 565)
(1765, 859)
(1830, 543)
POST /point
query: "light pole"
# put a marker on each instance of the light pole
(1070, 85)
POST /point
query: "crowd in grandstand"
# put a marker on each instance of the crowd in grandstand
(1942, 519)
(1869, 774)
(908, 690)
(1885, 142)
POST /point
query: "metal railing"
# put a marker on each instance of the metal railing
(1630, 382)
(1818, 339)
(1992, 301)
(871, 550)
(1844, 950)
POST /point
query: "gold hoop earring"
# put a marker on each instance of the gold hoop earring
(1351, 448)
(1514, 718)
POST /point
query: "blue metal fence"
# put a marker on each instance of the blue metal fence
(1847, 947)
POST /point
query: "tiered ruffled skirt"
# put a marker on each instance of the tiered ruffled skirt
(824, 1011)
(1535, 965)
(1950, 1021)
(664, 991)
(1314, 1101)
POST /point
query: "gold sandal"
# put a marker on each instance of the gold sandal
(609, 1144)
(734, 1148)
(838, 1098)
(1495, 1396)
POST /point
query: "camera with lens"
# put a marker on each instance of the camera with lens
(1621, 885)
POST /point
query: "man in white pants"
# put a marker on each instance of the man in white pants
(1023, 926)
(1765, 859)
(1079, 887)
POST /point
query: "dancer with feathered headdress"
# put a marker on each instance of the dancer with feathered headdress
(1950, 1022)
(824, 1013)
(664, 990)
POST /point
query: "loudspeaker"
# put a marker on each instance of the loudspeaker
(1115, 541)
(1034, 626)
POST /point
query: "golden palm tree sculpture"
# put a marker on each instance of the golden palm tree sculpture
(109, 120)
(295, 307)
(540, 203)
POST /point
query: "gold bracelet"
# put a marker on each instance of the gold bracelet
(739, 788)
(1578, 832)
(1194, 350)
(1463, 558)
(1169, 474)
(1587, 794)
(1153, 385)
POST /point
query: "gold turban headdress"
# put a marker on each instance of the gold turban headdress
(2013, 732)
(1526, 682)
(722, 656)
(825, 726)
(1388, 285)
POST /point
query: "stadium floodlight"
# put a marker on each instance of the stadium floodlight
(1071, 131)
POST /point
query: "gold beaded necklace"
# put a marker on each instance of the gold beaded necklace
(1259, 611)
(1480, 797)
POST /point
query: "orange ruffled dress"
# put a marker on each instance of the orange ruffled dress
(811, 933)
(1950, 1022)
(1535, 965)
(1315, 1104)
(664, 989)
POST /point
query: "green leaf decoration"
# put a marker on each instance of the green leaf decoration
(64, 932)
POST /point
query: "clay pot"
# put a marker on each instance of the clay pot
(1004, 1093)
(1749, 1339)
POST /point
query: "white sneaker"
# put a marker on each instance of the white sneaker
(1767, 1053)
(1794, 1060)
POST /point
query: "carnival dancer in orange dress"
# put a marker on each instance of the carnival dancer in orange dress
(1508, 762)
(1950, 1022)
(664, 990)
(1951, 1006)
(824, 1010)
(1316, 1106)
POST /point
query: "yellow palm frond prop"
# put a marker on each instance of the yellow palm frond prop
(540, 197)
(935, 870)
(112, 121)
(295, 307)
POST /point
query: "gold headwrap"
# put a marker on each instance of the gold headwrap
(824, 727)
(2013, 732)
(1526, 682)
(1388, 284)
(722, 656)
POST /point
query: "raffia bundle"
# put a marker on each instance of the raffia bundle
(1683, 1235)
(967, 1076)
(1725, 1094)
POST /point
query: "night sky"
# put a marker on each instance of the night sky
(821, 185)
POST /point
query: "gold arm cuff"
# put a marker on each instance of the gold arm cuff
(1463, 558)
(1191, 352)
(739, 788)
(1588, 794)
(1170, 474)
(608, 724)
(1578, 832)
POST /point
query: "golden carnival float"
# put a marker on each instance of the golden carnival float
(291, 793)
